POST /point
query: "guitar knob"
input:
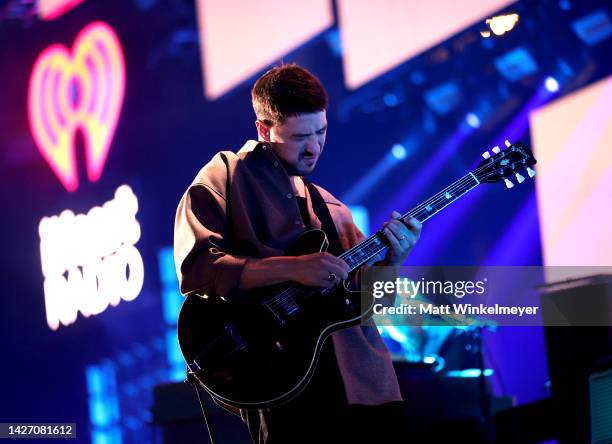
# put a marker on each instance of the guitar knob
(519, 177)
(508, 144)
(530, 171)
(509, 184)
(496, 149)
(486, 155)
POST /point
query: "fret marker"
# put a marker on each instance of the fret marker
(448, 195)
(428, 207)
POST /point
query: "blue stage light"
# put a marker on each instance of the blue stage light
(103, 403)
(429, 359)
(171, 296)
(334, 42)
(516, 64)
(594, 27)
(391, 100)
(551, 84)
(397, 334)
(361, 218)
(103, 437)
(473, 120)
(172, 300)
(99, 414)
(469, 373)
(175, 357)
(399, 151)
(444, 98)
(95, 380)
(167, 271)
(377, 172)
(417, 78)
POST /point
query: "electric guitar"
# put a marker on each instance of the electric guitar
(261, 348)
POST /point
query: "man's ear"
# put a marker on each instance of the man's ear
(263, 131)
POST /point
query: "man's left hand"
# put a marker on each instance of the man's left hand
(402, 236)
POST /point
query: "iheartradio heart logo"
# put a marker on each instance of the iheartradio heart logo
(79, 88)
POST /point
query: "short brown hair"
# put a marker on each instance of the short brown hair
(285, 91)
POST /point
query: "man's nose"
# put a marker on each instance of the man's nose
(313, 147)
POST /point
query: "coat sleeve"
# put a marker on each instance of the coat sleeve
(202, 262)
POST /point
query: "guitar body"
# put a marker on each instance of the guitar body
(261, 348)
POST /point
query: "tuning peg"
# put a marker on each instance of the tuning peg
(486, 155)
(530, 171)
(509, 184)
(496, 149)
(519, 177)
(508, 144)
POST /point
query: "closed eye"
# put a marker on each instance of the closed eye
(305, 136)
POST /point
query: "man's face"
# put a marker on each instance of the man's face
(298, 141)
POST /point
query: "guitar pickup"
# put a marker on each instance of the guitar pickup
(281, 307)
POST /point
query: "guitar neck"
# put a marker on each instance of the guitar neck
(371, 247)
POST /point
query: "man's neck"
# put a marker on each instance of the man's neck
(298, 186)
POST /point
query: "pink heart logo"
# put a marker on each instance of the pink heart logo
(83, 89)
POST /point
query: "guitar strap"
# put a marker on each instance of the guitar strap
(327, 223)
(327, 381)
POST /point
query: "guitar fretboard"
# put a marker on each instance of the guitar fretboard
(375, 244)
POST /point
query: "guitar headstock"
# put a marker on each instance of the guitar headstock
(506, 164)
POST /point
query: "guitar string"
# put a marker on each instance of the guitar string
(284, 296)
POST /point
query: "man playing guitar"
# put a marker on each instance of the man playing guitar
(233, 226)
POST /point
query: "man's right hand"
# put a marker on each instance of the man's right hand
(315, 270)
